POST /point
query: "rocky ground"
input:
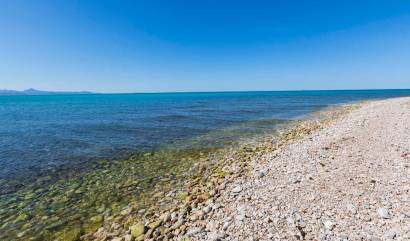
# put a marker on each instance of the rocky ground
(349, 181)
(343, 178)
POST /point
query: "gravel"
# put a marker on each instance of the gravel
(349, 180)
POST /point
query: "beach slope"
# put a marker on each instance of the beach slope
(347, 181)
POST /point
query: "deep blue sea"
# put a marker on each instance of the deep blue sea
(43, 133)
(68, 162)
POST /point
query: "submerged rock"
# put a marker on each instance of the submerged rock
(97, 219)
(69, 235)
(138, 230)
(22, 217)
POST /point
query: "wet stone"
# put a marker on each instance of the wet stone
(138, 230)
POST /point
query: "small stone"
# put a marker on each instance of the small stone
(140, 238)
(178, 224)
(138, 230)
(216, 236)
(126, 211)
(22, 217)
(207, 209)
(290, 220)
(148, 235)
(185, 210)
(211, 226)
(193, 217)
(194, 231)
(351, 208)
(383, 213)
(155, 224)
(101, 209)
(328, 225)
(390, 234)
(21, 234)
(166, 217)
(118, 239)
(174, 216)
(209, 201)
(237, 189)
(216, 206)
(240, 217)
(226, 225)
(197, 215)
(97, 219)
(203, 197)
(128, 237)
(69, 235)
(260, 174)
(344, 238)
(188, 198)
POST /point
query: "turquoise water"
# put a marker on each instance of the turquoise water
(47, 139)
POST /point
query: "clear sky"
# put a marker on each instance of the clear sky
(210, 45)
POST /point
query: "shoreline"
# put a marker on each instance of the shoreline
(346, 181)
(140, 185)
(199, 200)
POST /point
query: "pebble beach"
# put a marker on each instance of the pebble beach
(343, 175)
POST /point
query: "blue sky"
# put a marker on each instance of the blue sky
(213, 45)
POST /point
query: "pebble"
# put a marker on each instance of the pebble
(237, 189)
(383, 213)
(207, 209)
(226, 225)
(194, 231)
(328, 225)
(178, 224)
(166, 217)
(390, 234)
(260, 174)
(118, 239)
(351, 208)
(240, 217)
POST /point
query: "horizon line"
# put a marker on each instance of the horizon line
(85, 92)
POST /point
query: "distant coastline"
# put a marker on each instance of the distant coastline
(5, 92)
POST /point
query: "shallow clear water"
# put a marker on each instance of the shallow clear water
(52, 138)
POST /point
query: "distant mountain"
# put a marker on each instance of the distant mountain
(38, 92)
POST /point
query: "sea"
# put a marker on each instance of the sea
(56, 147)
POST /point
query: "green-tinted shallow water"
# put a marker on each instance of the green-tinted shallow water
(86, 200)
(47, 211)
